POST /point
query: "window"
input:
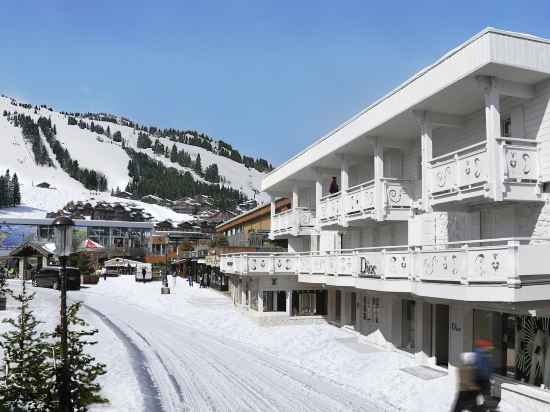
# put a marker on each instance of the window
(371, 308)
(268, 301)
(506, 127)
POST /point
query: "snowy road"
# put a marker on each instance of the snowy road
(199, 371)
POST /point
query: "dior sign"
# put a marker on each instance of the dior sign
(367, 268)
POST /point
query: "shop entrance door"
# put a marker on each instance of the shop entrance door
(352, 304)
(338, 306)
(442, 335)
(281, 301)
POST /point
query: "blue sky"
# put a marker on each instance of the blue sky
(269, 77)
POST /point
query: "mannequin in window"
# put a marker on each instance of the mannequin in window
(333, 186)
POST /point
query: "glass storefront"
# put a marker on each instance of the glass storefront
(522, 345)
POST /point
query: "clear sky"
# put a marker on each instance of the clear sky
(269, 77)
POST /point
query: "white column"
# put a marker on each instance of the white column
(295, 198)
(426, 154)
(273, 206)
(318, 195)
(492, 129)
(289, 302)
(378, 175)
(21, 267)
(344, 185)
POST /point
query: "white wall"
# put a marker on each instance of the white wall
(447, 139)
(382, 234)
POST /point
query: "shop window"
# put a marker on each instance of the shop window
(307, 303)
(268, 301)
(521, 345)
(371, 308)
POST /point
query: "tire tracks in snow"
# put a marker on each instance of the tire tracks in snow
(151, 394)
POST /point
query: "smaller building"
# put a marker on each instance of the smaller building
(252, 228)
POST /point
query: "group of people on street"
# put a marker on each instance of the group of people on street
(204, 281)
(474, 380)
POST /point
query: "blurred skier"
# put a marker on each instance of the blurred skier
(468, 389)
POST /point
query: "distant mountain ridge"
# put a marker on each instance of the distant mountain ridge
(77, 154)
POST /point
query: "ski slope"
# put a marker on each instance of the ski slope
(97, 152)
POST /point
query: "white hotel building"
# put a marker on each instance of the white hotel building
(440, 233)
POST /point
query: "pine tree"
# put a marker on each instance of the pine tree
(198, 165)
(15, 191)
(3, 192)
(84, 369)
(27, 386)
(174, 154)
(8, 201)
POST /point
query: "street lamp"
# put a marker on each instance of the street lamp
(63, 228)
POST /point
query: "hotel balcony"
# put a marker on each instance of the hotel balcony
(246, 264)
(298, 221)
(497, 270)
(468, 174)
(385, 199)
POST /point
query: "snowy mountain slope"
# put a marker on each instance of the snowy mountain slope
(96, 152)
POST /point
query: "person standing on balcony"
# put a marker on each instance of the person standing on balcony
(333, 186)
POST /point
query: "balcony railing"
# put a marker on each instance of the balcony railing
(383, 199)
(330, 208)
(259, 263)
(296, 221)
(492, 261)
(467, 173)
(360, 199)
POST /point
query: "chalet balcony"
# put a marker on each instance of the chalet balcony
(385, 199)
(298, 221)
(512, 269)
(259, 264)
(467, 174)
(330, 209)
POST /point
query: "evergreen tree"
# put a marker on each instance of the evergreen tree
(8, 201)
(108, 132)
(15, 191)
(211, 173)
(174, 154)
(198, 166)
(27, 385)
(83, 368)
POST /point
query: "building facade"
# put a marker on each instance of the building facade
(275, 293)
(437, 233)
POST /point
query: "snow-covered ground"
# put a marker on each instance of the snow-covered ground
(96, 152)
(192, 350)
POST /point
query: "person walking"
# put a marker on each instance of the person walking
(468, 388)
(484, 368)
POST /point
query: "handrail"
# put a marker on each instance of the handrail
(464, 149)
(396, 179)
(360, 185)
(518, 140)
(437, 246)
(331, 195)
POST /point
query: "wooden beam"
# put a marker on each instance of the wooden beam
(507, 87)
(440, 119)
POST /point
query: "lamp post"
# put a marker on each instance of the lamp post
(63, 227)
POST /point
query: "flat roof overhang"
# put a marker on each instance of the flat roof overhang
(449, 86)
